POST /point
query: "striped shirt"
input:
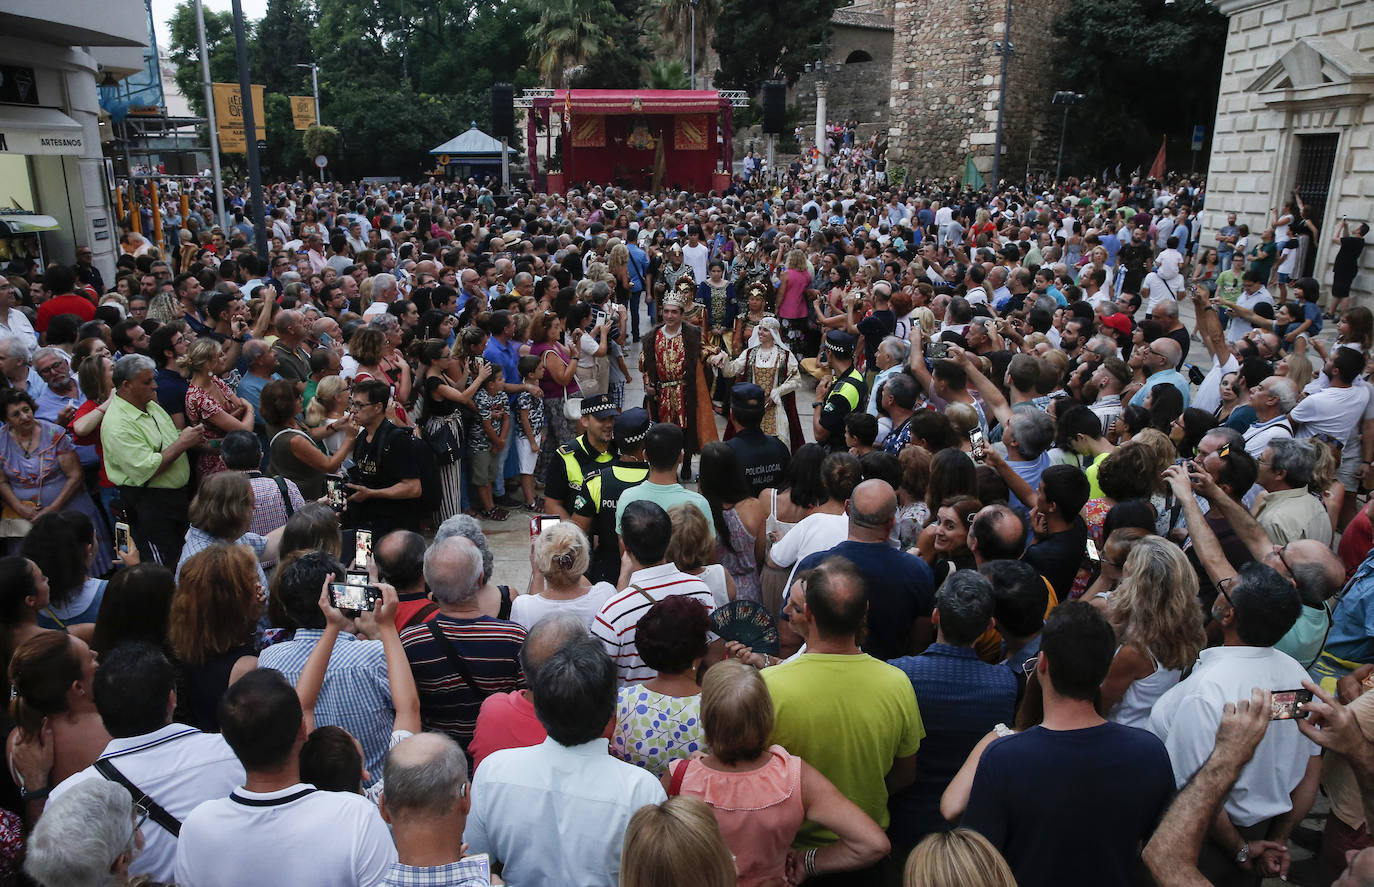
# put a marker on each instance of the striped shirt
(615, 624)
(490, 647)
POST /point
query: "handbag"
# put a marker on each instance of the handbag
(445, 444)
(572, 406)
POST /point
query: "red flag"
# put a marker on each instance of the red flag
(1157, 168)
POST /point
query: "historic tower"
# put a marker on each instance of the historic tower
(946, 77)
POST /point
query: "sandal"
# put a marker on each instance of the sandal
(495, 514)
(535, 506)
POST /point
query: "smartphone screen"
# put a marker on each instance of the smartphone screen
(354, 593)
(335, 492)
(541, 522)
(122, 542)
(1287, 705)
(362, 548)
(937, 350)
(1092, 551)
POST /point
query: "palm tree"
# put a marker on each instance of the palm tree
(567, 35)
(668, 74)
(676, 17)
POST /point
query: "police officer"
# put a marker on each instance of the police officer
(572, 462)
(594, 507)
(842, 396)
(763, 456)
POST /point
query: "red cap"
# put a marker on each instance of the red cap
(1119, 322)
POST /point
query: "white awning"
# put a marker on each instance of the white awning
(25, 130)
(12, 224)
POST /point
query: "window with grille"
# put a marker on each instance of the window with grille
(1316, 161)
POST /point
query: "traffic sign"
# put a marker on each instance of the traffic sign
(1198, 132)
(321, 161)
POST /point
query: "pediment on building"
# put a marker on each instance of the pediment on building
(1316, 72)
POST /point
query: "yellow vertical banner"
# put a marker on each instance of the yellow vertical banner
(303, 111)
(229, 114)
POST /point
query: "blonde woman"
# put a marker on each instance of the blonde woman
(210, 402)
(676, 844)
(618, 263)
(958, 858)
(560, 556)
(1158, 623)
(328, 411)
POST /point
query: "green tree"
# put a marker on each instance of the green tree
(760, 40)
(184, 51)
(391, 131)
(1165, 84)
(569, 33)
(283, 42)
(668, 74)
(675, 20)
(320, 140)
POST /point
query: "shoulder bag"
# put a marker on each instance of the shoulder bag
(456, 659)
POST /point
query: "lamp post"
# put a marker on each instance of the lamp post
(1068, 99)
(315, 83)
(1005, 49)
(693, 5)
(221, 213)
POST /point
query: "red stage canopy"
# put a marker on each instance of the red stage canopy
(636, 101)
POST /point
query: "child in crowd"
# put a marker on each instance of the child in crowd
(860, 430)
(529, 427)
(486, 438)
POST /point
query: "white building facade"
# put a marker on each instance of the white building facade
(1296, 112)
(51, 162)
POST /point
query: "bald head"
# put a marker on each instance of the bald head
(1316, 569)
(1168, 351)
(426, 778)
(872, 508)
(549, 635)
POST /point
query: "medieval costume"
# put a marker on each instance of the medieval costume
(672, 365)
(770, 365)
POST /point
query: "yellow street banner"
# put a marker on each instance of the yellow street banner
(303, 111)
(229, 117)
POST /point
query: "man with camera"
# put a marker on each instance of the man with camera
(384, 486)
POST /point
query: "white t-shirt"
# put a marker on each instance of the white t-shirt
(1239, 327)
(696, 257)
(1288, 260)
(298, 835)
(1160, 290)
(1334, 412)
(1208, 395)
(528, 609)
(814, 533)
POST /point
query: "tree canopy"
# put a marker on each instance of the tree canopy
(1146, 69)
(760, 40)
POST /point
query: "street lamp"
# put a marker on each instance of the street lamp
(1005, 49)
(1068, 99)
(693, 4)
(315, 82)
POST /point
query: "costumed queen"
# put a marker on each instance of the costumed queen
(674, 382)
(770, 365)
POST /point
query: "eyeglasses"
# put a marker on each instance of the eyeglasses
(1278, 552)
(1028, 667)
(359, 405)
(1221, 587)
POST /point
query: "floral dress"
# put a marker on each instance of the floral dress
(653, 730)
(200, 406)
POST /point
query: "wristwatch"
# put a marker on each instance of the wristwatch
(1243, 854)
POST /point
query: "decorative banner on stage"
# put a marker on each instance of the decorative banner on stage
(589, 131)
(689, 132)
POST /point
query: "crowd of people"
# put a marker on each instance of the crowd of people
(1063, 577)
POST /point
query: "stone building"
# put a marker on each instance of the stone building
(857, 70)
(946, 76)
(1296, 112)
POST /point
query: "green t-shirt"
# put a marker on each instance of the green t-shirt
(665, 496)
(1262, 258)
(1094, 490)
(1228, 286)
(850, 717)
(1307, 636)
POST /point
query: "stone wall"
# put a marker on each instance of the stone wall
(1295, 68)
(858, 91)
(945, 84)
